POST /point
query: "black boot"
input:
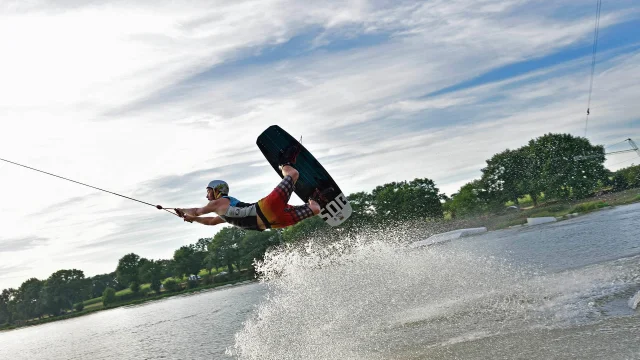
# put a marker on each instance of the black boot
(288, 155)
(321, 196)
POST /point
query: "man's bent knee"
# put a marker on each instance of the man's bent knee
(290, 171)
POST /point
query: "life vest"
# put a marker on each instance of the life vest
(241, 214)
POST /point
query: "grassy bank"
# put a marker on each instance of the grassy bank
(551, 209)
(94, 305)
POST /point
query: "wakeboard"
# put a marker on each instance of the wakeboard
(336, 208)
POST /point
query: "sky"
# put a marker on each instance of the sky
(154, 99)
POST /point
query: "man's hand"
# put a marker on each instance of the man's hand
(183, 214)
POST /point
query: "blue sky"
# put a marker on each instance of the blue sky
(176, 94)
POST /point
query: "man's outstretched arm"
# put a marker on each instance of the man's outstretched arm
(209, 208)
(204, 220)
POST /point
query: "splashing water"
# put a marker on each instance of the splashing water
(369, 296)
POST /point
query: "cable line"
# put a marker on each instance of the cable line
(93, 187)
(596, 32)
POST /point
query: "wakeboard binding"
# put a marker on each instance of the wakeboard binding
(320, 196)
(289, 155)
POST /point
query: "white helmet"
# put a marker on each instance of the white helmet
(219, 185)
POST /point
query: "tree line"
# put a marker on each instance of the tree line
(559, 166)
(626, 178)
(556, 166)
(231, 249)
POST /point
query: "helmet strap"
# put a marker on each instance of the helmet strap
(219, 194)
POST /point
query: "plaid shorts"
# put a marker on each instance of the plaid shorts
(274, 210)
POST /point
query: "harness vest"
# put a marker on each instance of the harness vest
(244, 215)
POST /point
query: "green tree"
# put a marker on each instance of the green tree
(109, 296)
(619, 182)
(417, 199)
(561, 171)
(171, 285)
(4, 307)
(141, 263)
(29, 293)
(14, 305)
(226, 246)
(187, 260)
(628, 177)
(62, 289)
(512, 174)
(128, 268)
(202, 245)
(135, 287)
(168, 267)
(468, 200)
(151, 272)
(505, 176)
(533, 183)
(212, 260)
(363, 210)
(201, 248)
(101, 282)
(7, 305)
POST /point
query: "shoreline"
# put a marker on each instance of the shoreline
(597, 204)
(560, 211)
(557, 209)
(140, 301)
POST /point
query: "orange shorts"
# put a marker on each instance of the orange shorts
(274, 210)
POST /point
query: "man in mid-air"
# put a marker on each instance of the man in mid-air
(272, 211)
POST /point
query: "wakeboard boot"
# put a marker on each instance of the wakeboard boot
(288, 155)
(321, 196)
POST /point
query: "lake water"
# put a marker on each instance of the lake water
(556, 291)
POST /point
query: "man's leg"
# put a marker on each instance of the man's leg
(288, 170)
(272, 206)
(294, 214)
